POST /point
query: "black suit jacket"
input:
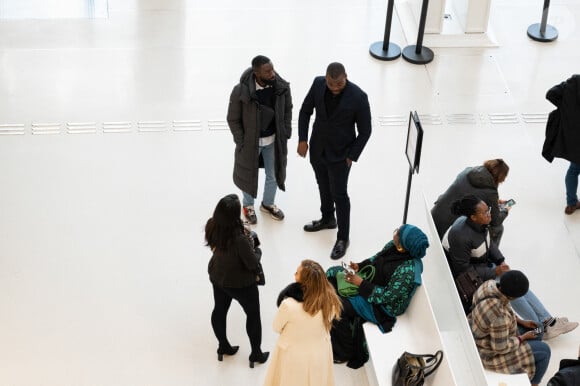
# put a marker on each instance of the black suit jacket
(334, 136)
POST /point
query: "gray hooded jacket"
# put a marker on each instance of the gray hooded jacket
(475, 180)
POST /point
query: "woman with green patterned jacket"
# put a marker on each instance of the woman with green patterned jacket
(380, 300)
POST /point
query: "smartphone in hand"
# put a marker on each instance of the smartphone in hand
(347, 268)
(508, 204)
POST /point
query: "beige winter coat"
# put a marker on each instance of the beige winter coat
(303, 353)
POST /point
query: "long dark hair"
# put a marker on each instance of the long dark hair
(225, 224)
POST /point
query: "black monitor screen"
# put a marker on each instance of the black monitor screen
(414, 141)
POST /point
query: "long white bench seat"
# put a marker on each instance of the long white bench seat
(497, 379)
(416, 332)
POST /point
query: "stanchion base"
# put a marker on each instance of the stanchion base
(377, 52)
(550, 35)
(424, 57)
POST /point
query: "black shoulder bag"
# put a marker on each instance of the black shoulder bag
(468, 282)
(412, 369)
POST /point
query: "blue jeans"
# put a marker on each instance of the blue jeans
(529, 307)
(270, 186)
(542, 355)
(571, 181)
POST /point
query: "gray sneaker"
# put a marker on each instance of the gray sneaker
(273, 210)
(560, 326)
(250, 214)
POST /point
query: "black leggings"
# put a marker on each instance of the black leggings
(249, 299)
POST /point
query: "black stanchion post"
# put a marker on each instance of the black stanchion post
(386, 50)
(543, 32)
(418, 54)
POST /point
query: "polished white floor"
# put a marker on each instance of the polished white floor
(114, 152)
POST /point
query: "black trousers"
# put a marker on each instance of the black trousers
(332, 179)
(249, 299)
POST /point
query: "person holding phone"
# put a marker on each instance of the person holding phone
(398, 267)
(468, 246)
(506, 343)
(482, 181)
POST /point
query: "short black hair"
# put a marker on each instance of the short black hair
(259, 61)
(335, 69)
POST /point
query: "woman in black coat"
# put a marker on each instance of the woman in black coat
(233, 272)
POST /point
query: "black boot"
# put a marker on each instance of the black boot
(260, 357)
(226, 350)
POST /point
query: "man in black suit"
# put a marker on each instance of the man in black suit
(334, 145)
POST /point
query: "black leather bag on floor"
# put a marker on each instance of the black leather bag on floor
(412, 369)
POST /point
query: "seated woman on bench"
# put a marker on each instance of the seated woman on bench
(468, 245)
(380, 300)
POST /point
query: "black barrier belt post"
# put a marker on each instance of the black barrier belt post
(386, 50)
(543, 32)
(418, 54)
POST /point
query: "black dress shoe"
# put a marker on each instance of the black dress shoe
(317, 225)
(339, 249)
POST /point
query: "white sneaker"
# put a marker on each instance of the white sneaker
(561, 326)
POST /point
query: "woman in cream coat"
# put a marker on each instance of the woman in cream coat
(303, 353)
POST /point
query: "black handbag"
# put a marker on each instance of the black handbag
(253, 237)
(412, 369)
(467, 283)
(260, 277)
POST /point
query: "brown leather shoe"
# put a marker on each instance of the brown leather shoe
(572, 208)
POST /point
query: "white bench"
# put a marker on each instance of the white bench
(497, 379)
(416, 332)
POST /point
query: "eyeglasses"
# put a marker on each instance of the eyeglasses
(486, 212)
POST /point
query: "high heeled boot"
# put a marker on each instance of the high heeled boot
(226, 350)
(260, 357)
